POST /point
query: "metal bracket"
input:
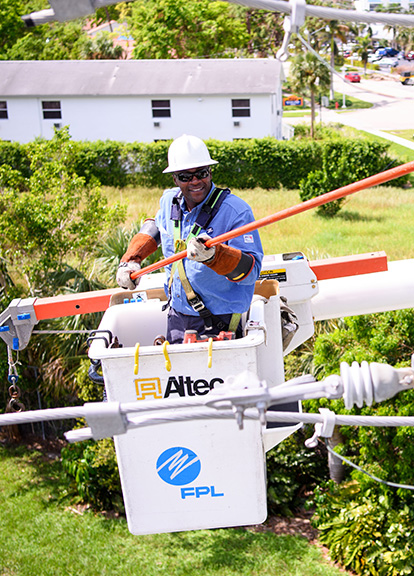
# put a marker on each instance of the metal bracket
(291, 25)
(324, 429)
(64, 10)
(17, 321)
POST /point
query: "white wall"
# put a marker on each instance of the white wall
(365, 4)
(130, 118)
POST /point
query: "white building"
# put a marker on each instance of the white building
(373, 4)
(141, 100)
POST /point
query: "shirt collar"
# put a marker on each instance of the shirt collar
(198, 207)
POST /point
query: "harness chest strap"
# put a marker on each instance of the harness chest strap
(207, 213)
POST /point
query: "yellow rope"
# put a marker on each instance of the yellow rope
(136, 364)
(210, 353)
(167, 358)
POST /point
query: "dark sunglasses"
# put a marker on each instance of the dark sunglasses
(188, 176)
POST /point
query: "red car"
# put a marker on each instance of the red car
(353, 77)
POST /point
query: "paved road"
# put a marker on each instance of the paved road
(393, 108)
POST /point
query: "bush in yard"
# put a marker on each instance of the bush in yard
(368, 525)
(293, 471)
(343, 162)
(363, 532)
(94, 470)
(92, 466)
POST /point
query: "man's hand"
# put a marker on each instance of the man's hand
(198, 251)
(123, 276)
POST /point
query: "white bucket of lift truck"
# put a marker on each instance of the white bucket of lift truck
(196, 474)
(181, 475)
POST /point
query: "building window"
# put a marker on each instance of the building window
(3, 110)
(240, 107)
(51, 109)
(161, 108)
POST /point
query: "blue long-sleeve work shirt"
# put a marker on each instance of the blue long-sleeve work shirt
(220, 295)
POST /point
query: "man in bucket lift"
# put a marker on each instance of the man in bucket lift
(210, 289)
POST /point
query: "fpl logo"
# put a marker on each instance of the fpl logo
(179, 466)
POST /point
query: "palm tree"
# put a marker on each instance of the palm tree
(329, 33)
(61, 356)
(393, 8)
(335, 30)
(364, 44)
(310, 75)
(102, 48)
(405, 38)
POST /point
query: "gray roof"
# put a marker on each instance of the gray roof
(139, 77)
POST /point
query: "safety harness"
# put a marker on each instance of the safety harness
(206, 215)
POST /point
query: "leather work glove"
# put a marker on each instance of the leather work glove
(123, 276)
(289, 322)
(198, 251)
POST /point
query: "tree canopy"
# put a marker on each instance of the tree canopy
(185, 29)
(160, 28)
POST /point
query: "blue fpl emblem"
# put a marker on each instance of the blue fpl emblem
(178, 466)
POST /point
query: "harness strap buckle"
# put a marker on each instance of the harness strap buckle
(198, 306)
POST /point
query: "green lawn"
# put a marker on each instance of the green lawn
(407, 134)
(43, 535)
(375, 219)
(352, 103)
(296, 113)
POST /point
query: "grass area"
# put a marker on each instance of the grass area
(44, 534)
(407, 134)
(371, 220)
(41, 536)
(296, 113)
(352, 103)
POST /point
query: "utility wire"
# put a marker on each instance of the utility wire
(392, 484)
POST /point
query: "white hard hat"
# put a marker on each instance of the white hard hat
(188, 152)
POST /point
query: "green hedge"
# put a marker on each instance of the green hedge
(266, 163)
(16, 156)
(343, 162)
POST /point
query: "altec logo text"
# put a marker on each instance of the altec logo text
(176, 386)
(179, 466)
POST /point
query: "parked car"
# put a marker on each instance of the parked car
(388, 62)
(353, 77)
(409, 56)
(386, 52)
(407, 78)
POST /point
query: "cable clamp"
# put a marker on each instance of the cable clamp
(239, 393)
(105, 419)
(324, 428)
